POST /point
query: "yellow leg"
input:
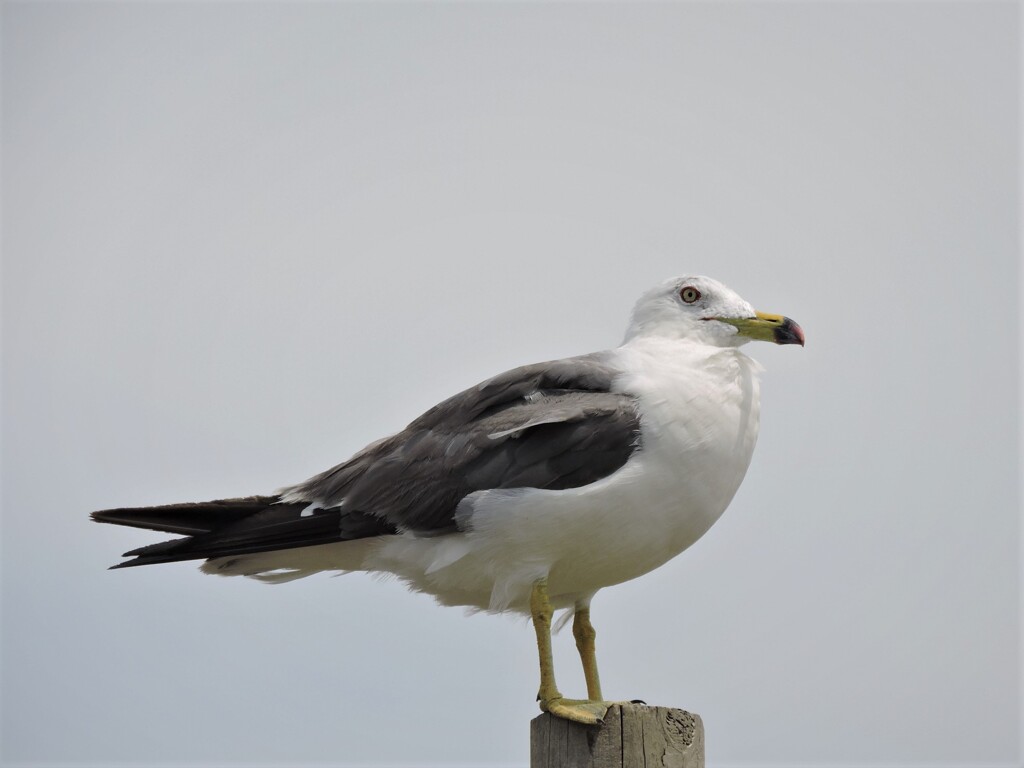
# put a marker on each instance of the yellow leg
(585, 634)
(589, 712)
(540, 610)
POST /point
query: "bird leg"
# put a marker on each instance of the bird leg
(540, 610)
(585, 633)
(588, 711)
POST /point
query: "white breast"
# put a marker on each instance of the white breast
(700, 411)
(699, 421)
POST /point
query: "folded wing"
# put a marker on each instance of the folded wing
(552, 425)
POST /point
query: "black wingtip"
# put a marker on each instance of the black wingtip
(132, 563)
(188, 519)
(237, 527)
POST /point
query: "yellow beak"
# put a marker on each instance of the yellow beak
(765, 327)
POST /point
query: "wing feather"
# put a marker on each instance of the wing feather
(552, 425)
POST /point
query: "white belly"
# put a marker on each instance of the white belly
(698, 429)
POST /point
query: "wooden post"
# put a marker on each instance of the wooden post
(633, 736)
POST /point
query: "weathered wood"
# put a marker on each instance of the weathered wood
(633, 736)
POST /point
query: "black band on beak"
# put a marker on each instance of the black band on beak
(789, 333)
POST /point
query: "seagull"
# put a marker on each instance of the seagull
(528, 492)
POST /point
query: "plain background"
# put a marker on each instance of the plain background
(243, 240)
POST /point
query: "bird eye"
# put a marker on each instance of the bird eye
(689, 294)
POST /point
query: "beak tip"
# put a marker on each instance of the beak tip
(789, 333)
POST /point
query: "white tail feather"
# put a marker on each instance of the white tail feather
(289, 564)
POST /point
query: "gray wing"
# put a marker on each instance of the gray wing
(551, 425)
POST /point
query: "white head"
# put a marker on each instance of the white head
(705, 311)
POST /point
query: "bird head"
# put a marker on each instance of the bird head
(704, 310)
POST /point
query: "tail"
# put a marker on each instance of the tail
(232, 527)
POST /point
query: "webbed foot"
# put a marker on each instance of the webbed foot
(578, 710)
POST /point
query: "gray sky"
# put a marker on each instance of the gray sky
(243, 240)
